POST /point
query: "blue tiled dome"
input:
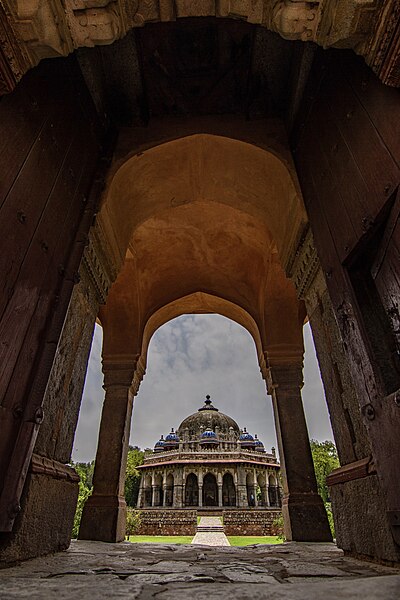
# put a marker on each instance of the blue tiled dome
(171, 440)
(246, 439)
(259, 446)
(209, 436)
(159, 446)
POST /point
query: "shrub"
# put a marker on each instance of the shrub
(133, 519)
(328, 508)
(278, 528)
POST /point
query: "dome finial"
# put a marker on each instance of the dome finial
(208, 399)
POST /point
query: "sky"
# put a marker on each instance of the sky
(190, 357)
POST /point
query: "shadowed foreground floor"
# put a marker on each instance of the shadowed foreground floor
(167, 572)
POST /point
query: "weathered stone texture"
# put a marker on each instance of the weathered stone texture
(167, 522)
(350, 434)
(64, 391)
(250, 522)
(170, 572)
(367, 535)
(46, 519)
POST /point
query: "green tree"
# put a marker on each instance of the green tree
(133, 475)
(325, 460)
(85, 472)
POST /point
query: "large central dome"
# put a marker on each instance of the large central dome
(207, 417)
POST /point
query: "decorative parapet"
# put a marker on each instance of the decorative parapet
(154, 459)
(304, 264)
(34, 29)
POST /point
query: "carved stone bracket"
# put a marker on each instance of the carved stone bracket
(304, 264)
(46, 466)
(101, 260)
(34, 29)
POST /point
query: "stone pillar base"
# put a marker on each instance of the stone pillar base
(103, 519)
(45, 521)
(305, 518)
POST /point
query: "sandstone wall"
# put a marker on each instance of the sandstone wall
(168, 522)
(250, 522)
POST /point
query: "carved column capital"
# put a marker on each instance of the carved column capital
(287, 376)
(119, 371)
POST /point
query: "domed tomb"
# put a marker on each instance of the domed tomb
(207, 417)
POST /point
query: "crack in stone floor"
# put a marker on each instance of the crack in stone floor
(290, 571)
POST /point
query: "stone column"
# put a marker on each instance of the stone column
(200, 483)
(267, 503)
(141, 493)
(242, 500)
(304, 515)
(104, 514)
(178, 490)
(164, 484)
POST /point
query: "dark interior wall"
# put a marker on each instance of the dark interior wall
(49, 145)
(347, 153)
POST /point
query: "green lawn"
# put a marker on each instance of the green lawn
(236, 540)
(161, 539)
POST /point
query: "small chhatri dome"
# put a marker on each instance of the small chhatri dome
(172, 437)
(246, 439)
(171, 440)
(259, 446)
(159, 446)
(246, 436)
(209, 436)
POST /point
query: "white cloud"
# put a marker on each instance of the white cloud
(189, 357)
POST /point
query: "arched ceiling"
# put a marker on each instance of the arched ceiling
(204, 222)
(208, 168)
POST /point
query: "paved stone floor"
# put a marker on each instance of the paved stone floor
(91, 570)
(210, 532)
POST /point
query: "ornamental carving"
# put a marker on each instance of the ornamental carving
(31, 30)
(304, 265)
(296, 20)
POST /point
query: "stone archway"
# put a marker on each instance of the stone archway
(335, 312)
(210, 490)
(191, 490)
(236, 225)
(228, 490)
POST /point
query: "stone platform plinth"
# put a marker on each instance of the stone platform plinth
(253, 521)
(250, 521)
(155, 521)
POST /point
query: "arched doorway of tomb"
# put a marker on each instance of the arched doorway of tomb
(169, 490)
(251, 489)
(272, 491)
(158, 490)
(192, 490)
(210, 490)
(228, 490)
(261, 495)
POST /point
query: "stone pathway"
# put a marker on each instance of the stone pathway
(210, 532)
(91, 570)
